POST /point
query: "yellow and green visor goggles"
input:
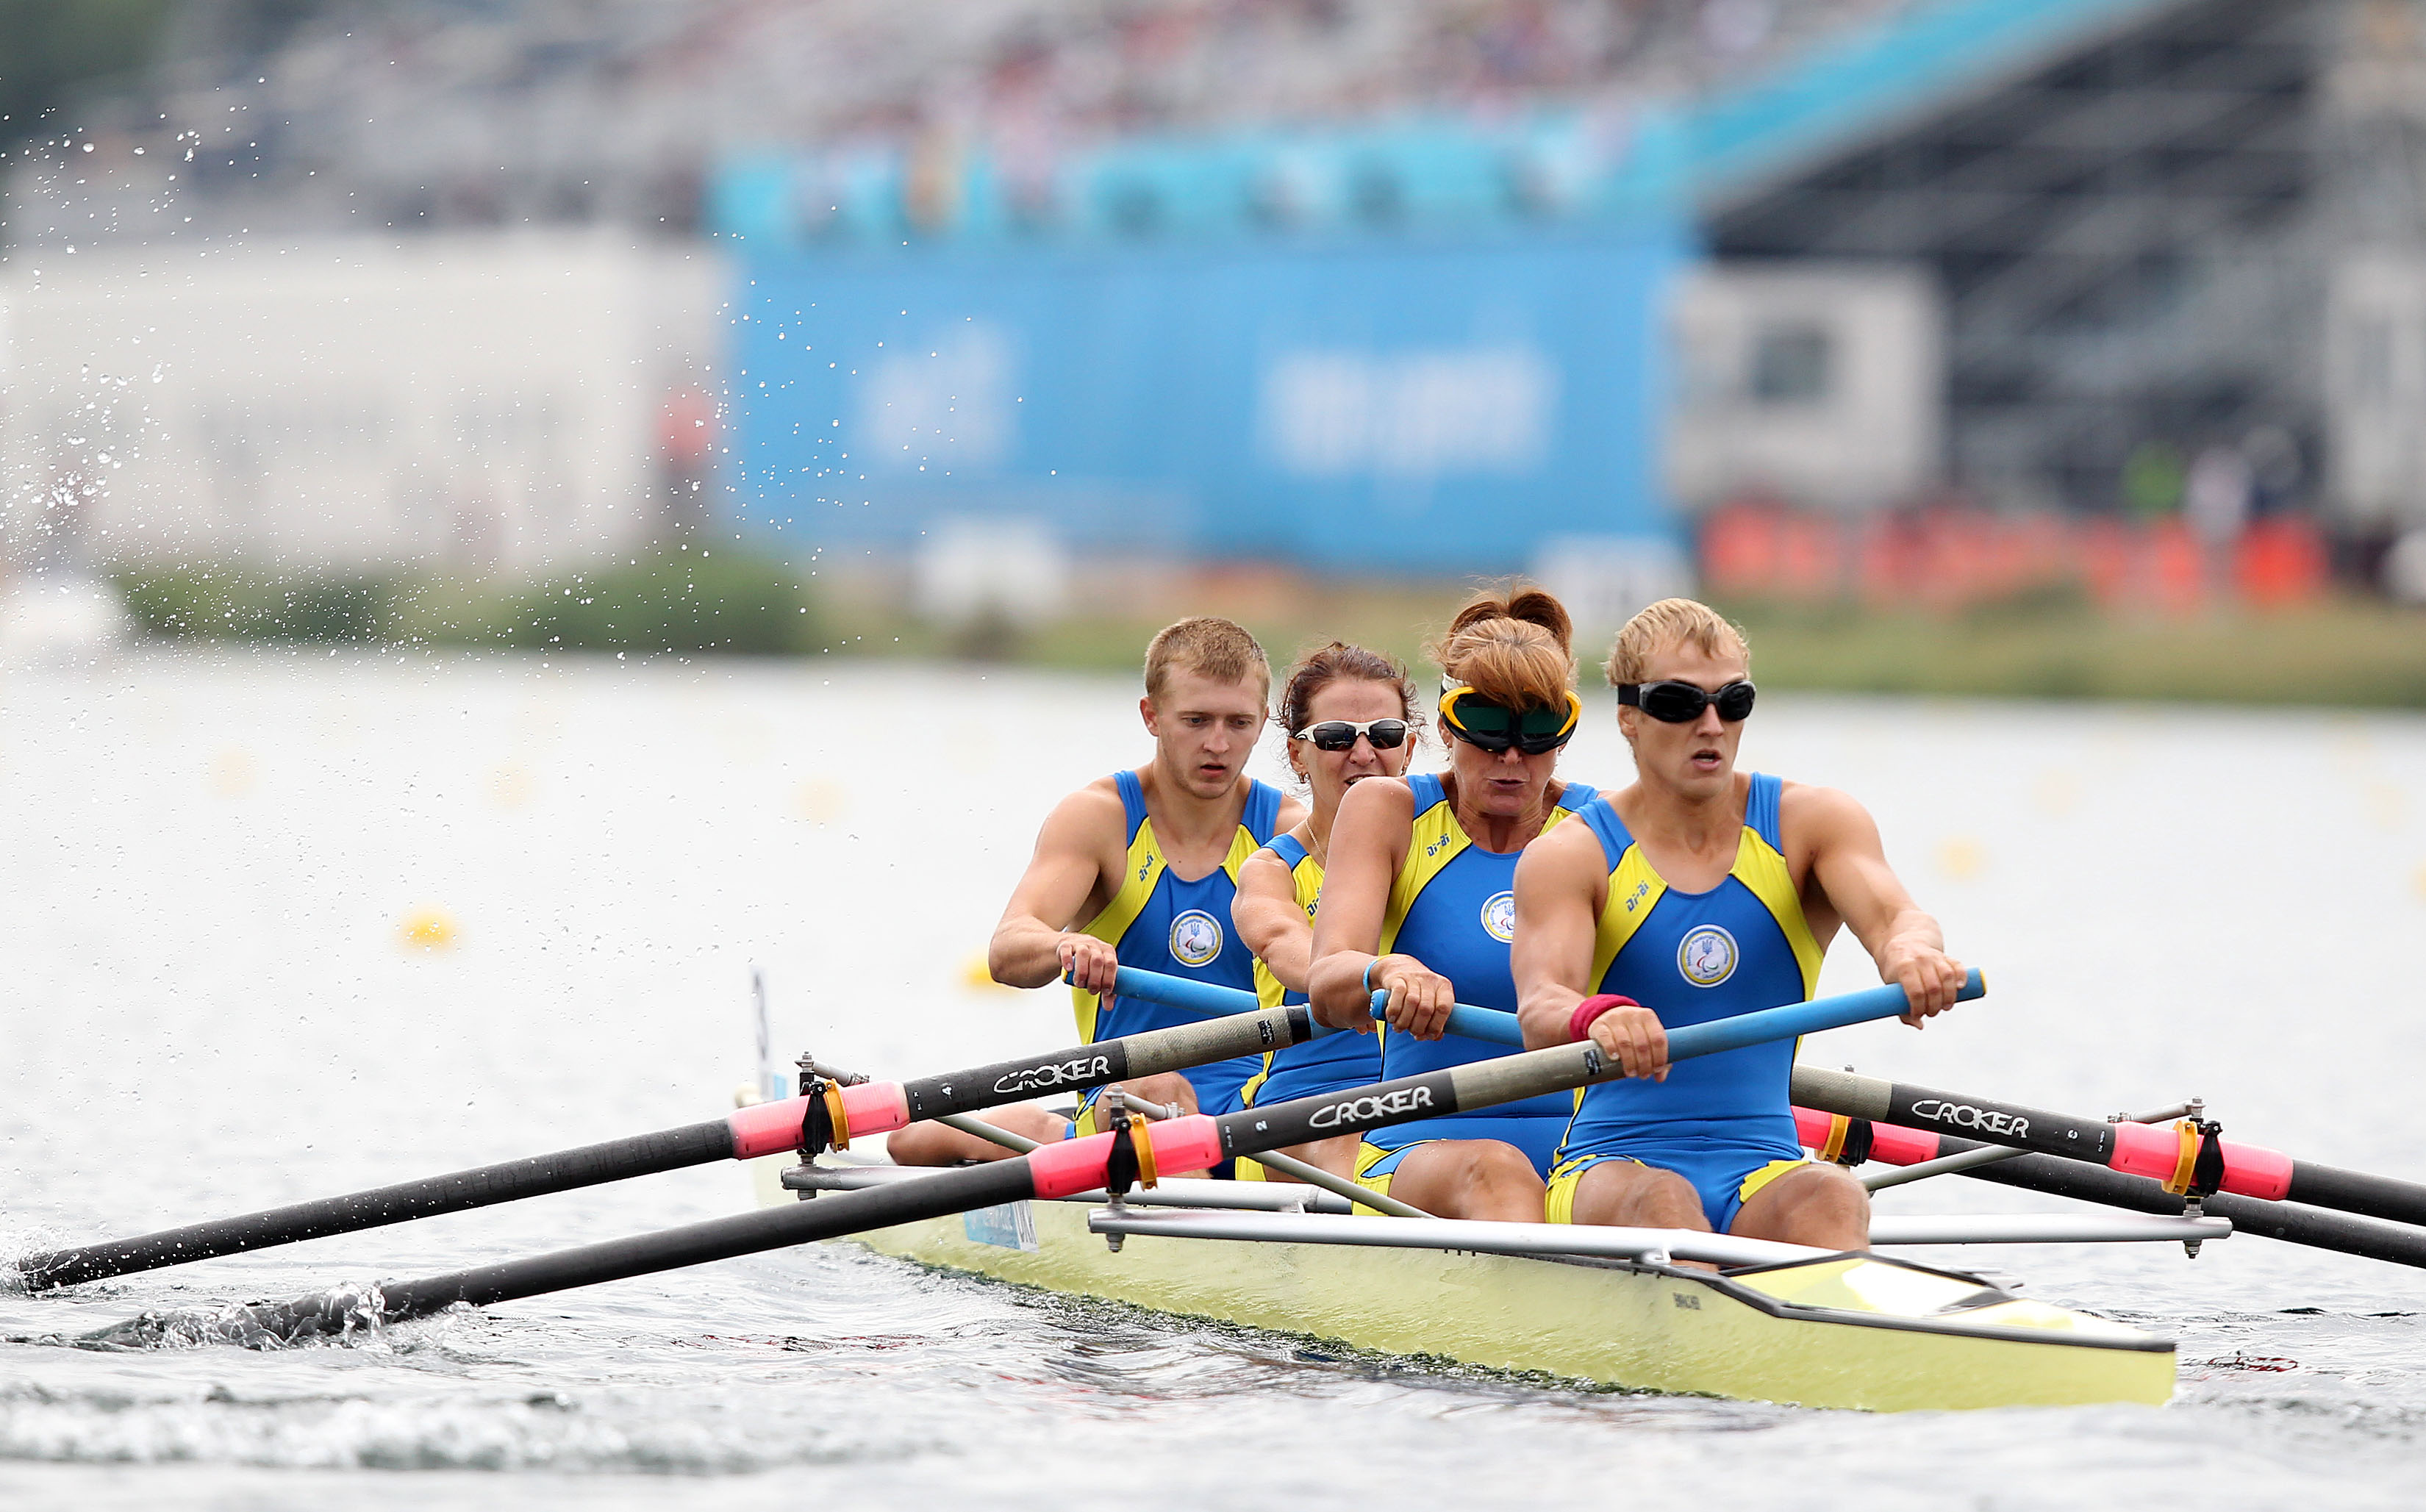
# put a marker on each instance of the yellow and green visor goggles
(1495, 726)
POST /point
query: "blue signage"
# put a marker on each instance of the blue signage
(1365, 404)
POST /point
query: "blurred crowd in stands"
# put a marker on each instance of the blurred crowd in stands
(419, 113)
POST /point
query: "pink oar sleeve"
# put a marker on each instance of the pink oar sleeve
(771, 1128)
(2159, 1151)
(1076, 1165)
(1889, 1143)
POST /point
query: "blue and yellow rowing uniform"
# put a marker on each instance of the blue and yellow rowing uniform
(1330, 1062)
(1157, 922)
(1453, 906)
(1724, 1122)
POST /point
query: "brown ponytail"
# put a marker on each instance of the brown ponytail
(1511, 648)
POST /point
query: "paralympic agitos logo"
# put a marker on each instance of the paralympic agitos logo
(1361, 1109)
(1056, 1073)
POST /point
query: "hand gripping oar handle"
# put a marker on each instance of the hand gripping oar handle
(1064, 1170)
(1501, 1028)
(2166, 1153)
(761, 1129)
(1494, 1025)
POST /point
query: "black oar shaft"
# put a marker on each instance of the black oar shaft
(1081, 1067)
(829, 1217)
(985, 1086)
(2248, 1171)
(2378, 1197)
(480, 1186)
(1052, 1170)
(2253, 1216)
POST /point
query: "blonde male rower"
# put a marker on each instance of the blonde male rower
(1699, 893)
(1139, 869)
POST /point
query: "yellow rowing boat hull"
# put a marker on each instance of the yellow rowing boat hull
(1848, 1331)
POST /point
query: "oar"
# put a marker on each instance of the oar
(762, 1129)
(1191, 1142)
(2180, 1155)
(1949, 1165)
(2056, 1177)
(1496, 1026)
(1296, 1170)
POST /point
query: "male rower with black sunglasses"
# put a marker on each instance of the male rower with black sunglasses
(1699, 893)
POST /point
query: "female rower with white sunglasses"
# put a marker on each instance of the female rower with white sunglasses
(1419, 900)
(1350, 715)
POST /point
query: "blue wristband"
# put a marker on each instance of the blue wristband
(1369, 972)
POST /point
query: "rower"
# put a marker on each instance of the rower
(1416, 900)
(1139, 869)
(1350, 715)
(1700, 892)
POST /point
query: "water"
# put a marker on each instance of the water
(207, 861)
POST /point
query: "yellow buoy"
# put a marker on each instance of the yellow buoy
(820, 800)
(427, 928)
(230, 774)
(509, 785)
(977, 976)
(1961, 857)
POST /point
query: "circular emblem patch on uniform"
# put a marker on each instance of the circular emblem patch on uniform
(1195, 937)
(1500, 916)
(1706, 955)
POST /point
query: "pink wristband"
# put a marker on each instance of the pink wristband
(1580, 1023)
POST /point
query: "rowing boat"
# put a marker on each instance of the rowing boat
(1617, 1306)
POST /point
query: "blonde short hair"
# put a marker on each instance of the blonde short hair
(1671, 622)
(1511, 648)
(1209, 646)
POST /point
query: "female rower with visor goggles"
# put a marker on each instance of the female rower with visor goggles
(1350, 715)
(1419, 901)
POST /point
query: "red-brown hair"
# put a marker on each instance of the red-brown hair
(1511, 648)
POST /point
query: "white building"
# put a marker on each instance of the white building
(497, 402)
(1813, 382)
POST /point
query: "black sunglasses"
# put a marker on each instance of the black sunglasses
(1681, 703)
(1340, 734)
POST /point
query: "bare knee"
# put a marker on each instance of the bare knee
(935, 1144)
(926, 1144)
(1496, 1181)
(1821, 1205)
(1625, 1195)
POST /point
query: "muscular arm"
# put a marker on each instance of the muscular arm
(1369, 844)
(1034, 945)
(1561, 884)
(1271, 922)
(1368, 841)
(1851, 866)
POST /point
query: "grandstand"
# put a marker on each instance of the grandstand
(2110, 237)
(446, 114)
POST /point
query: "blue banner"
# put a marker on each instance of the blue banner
(1366, 404)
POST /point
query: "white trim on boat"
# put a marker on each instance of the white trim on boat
(2046, 1229)
(1292, 1197)
(1655, 1246)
